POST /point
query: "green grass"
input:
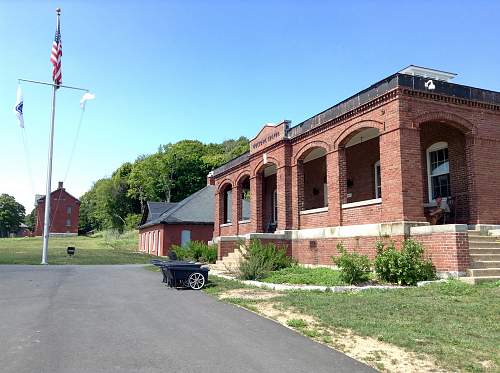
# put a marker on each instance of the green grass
(456, 323)
(308, 276)
(102, 248)
(297, 323)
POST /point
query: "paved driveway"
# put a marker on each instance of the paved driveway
(123, 319)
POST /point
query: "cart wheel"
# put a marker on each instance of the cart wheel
(196, 281)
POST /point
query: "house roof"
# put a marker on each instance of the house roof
(155, 209)
(198, 208)
(60, 190)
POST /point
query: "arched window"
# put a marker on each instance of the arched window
(438, 171)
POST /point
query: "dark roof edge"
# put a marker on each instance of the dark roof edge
(160, 220)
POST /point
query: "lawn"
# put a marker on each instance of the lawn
(306, 276)
(455, 323)
(102, 248)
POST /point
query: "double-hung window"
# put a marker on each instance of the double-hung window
(438, 171)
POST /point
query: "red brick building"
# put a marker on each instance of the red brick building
(370, 167)
(166, 224)
(64, 213)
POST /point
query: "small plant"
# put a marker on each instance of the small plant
(260, 259)
(354, 268)
(197, 251)
(296, 323)
(405, 267)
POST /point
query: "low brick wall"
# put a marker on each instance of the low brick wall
(448, 249)
(447, 246)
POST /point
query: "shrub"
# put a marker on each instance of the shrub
(197, 251)
(354, 268)
(405, 267)
(132, 221)
(261, 259)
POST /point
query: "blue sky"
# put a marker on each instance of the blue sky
(210, 70)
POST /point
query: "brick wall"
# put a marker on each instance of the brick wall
(448, 251)
(362, 214)
(361, 159)
(161, 237)
(316, 220)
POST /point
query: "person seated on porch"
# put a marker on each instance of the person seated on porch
(438, 213)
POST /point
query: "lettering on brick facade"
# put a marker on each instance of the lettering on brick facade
(269, 135)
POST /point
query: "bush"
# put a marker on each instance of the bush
(261, 259)
(197, 251)
(132, 221)
(405, 267)
(354, 268)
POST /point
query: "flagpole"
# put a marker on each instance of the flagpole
(46, 222)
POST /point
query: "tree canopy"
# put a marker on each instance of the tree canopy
(11, 215)
(171, 174)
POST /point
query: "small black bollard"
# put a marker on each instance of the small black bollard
(70, 250)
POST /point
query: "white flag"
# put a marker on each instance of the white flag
(87, 96)
(18, 109)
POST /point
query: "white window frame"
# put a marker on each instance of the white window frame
(434, 147)
(377, 186)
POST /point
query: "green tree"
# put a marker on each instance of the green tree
(30, 220)
(171, 174)
(11, 215)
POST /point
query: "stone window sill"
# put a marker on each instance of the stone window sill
(314, 211)
(367, 202)
(226, 225)
(244, 221)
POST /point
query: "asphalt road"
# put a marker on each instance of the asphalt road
(123, 319)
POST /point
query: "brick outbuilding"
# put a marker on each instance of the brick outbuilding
(64, 214)
(371, 166)
(166, 224)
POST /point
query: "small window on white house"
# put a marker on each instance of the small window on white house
(438, 171)
(378, 181)
(185, 237)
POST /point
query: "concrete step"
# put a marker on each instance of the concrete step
(485, 264)
(480, 280)
(475, 244)
(477, 237)
(474, 233)
(484, 250)
(485, 257)
(483, 272)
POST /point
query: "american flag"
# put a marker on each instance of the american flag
(55, 56)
